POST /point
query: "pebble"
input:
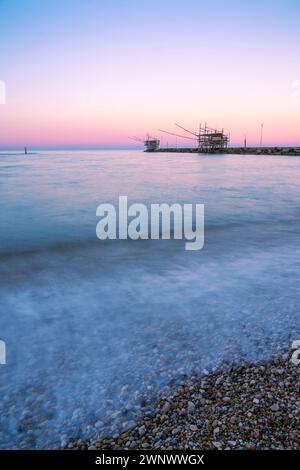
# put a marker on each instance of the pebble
(142, 431)
(231, 443)
(166, 408)
(191, 408)
(275, 407)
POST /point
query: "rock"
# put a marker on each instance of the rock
(166, 408)
(218, 445)
(142, 431)
(191, 408)
(176, 431)
(231, 443)
(275, 407)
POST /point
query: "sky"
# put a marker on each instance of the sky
(93, 72)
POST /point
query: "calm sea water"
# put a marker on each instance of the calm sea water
(94, 329)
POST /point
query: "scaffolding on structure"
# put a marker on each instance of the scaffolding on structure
(151, 144)
(208, 139)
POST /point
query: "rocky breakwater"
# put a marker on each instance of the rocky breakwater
(288, 151)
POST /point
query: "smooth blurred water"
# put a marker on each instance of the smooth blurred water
(94, 329)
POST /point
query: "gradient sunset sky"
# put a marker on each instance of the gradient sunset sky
(92, 72)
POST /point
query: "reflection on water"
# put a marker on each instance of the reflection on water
(93, 329)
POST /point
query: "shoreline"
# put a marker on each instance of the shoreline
(245, 406)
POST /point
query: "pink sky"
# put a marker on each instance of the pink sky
(95, 75)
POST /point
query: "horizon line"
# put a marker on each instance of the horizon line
(124, 147)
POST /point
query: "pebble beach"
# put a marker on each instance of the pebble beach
(245, 406)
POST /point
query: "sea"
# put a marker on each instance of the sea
(96, 329)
